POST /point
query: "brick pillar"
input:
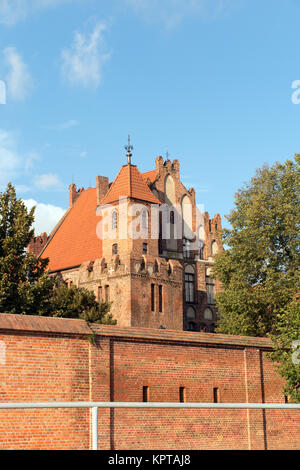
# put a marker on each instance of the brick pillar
(255, 394)
(100, 373)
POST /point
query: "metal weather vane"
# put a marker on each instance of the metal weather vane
(129, 148)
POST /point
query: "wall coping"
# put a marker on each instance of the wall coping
(164, 335)
(34, 323)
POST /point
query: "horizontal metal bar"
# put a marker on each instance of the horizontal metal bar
(109, 404)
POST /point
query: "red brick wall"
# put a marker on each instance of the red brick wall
(42, 364)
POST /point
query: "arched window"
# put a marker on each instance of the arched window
(143, 265)
(156, 267)
(214, 248)
(190, 313)
(144, 219)
(208, 314)
(189, 279)
(114, 220)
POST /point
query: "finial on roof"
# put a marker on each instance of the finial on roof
(128, 147)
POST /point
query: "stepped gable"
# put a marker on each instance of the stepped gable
(129, 183)
(74, 239)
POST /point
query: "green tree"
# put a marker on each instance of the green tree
(260, 269)
(25, 285)
(286, 340)
(79, 303)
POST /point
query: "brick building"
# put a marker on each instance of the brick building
(142, 243)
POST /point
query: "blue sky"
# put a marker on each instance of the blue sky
(208, 80)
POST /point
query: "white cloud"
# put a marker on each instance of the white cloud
(82, 62)
(14, 11)
(18, 79)
(47, 181)
(173, 12)
(46, 215)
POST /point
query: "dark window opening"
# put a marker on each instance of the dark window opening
(145, 248)
(115, 249)
(182, 394)
(216, 395)
(145, 394)
(160, 298)
(189, 287)
(172, 217)
(191, 326)
(152, 297)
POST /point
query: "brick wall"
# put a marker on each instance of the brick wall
(50, 359)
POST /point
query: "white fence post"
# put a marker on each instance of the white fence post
(95, 428)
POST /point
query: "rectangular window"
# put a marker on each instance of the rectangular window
(160, 298)
(115, 249)
(152, 297)
(106, 293)
(182, 394)
(189, 287)
(145, 394)
(145, 248)
(210, 290)
(216, 395)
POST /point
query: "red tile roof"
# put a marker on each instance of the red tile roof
(152, 174)
(129, 182)
(74, 240)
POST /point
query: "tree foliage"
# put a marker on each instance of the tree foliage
(286, 340)
(260, 269)
(25, 285)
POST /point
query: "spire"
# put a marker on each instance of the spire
(128, 147)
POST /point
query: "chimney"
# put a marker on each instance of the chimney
(72, 194)
(102, 185)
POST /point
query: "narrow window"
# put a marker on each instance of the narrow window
(100, 293)
(286, 399)
(189, 287)
(145, 394)
(144, 219)
(210, 290)
(172, 217)
(106, 293)
(114, 220)
(145, 248)
(160, 298)
(115, 249)
(152, 297)
(216, 395)
(182, 394)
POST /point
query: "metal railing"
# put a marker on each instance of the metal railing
(112, 404)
